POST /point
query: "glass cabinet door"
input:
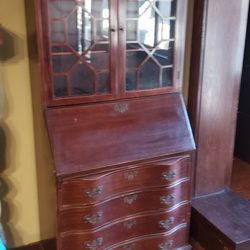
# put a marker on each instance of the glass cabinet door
(79, 48)
(111, 49)
(150, 38)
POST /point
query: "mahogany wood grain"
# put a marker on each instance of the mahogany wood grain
(77, 217)
(96, 136)
(131, 227)
(175, 239)
(105, 186)
(218, 46)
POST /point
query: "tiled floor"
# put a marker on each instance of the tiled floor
(241, 178)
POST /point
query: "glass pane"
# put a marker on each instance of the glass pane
(149, 75)
(166, 8)
(58, 49)
(82, 80)
(60, 86)
(102, 30)
(167, 77)
(103, 83)
(131, 80)
(62, 63)
(134, 46)
(100, 47)
(135, 58)
(164, 53)
(98, 60)
(131, 30)
(61, 9)
(153, 29)
(136, 8)
(81, 27)
(150, 37)
(98, 8)
(57, 31)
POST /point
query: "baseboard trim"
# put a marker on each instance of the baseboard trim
(49, 244)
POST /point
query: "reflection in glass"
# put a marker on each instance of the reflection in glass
(57, 32)
(135, 58)
(61, 9)
(60, 86)
(80, 30)
(103, 83)
(131, 30)
(80, 45)
(150, 42)
(98, 60)
(62, 63)
(167, 77)
(149, 75)
(82, 80)
(131, 80)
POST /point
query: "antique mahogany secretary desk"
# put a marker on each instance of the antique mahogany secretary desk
(112, 71)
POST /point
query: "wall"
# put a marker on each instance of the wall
(27, 187)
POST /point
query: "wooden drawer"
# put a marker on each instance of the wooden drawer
(84, 218)
(175, 239)
(97, 188)
(136, 226)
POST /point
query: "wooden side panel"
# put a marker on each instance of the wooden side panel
(96, 136)
(216, 78)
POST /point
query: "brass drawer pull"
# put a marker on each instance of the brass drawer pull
(169, 175)
(129, 247)
(93, 192)
(167, 200)
(167, 223)
(93, 244)
(130, 199)
(131, 175)
(121, 107)
(93, 219)
(129, 224)
(166, 246)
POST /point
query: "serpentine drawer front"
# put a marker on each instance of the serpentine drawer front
(89, 190)
(174, 239)
(131, 227)
(91, 216)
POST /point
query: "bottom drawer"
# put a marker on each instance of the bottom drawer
(175, 239)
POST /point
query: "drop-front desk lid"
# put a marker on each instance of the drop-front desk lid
(106, 134)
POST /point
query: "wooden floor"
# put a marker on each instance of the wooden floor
(240, 182)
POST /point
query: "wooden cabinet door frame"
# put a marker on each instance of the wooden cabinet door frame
(43, 30)
(179, 52)
(117, 32)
